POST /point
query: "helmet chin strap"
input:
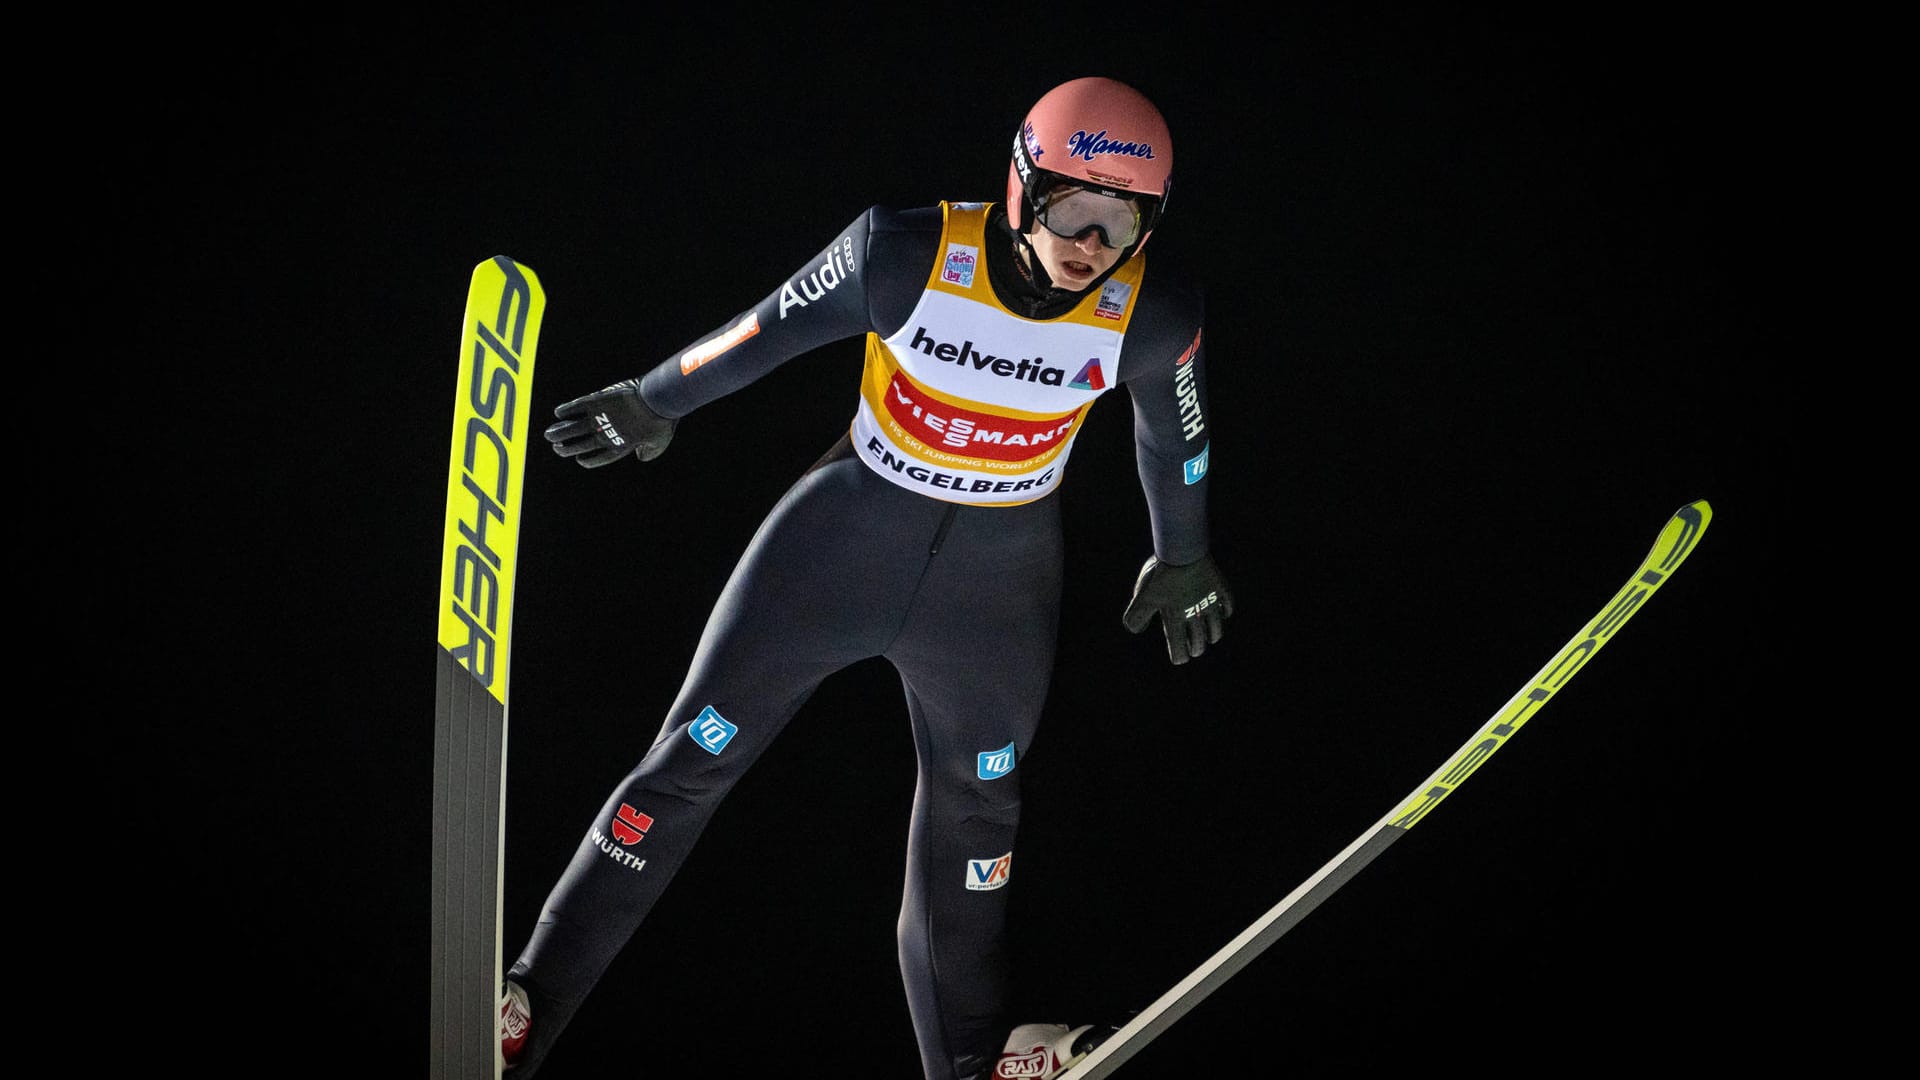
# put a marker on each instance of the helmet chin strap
(1028, 260)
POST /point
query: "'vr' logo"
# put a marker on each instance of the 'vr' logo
(995, 764)
(711, 730)
(987, 874)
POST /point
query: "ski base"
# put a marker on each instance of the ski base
(468, 784)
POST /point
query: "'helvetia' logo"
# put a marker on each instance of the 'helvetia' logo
(1090, 377)
(1029, 369)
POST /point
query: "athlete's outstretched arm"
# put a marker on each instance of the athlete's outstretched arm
(821, 302)
(831, 297)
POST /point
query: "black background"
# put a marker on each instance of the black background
(1488, 301)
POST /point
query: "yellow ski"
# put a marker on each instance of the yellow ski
(1676, 541)
(492, 403)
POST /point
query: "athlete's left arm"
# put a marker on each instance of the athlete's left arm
(1164, 368)
(1163, 365)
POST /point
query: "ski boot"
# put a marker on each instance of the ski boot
(516, 1019)
(1043, 1051)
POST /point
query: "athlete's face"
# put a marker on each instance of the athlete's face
(1072, 264)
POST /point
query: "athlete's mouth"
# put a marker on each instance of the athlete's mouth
(1077, 269)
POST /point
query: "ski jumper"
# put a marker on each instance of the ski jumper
(926, 535)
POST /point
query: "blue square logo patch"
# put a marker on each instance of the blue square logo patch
(711, 730)
(995, 764)
(1197, 467)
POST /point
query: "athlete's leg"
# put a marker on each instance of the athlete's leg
(810, 596)
(976, 656)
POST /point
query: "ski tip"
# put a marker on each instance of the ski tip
(507, 265)
(1677, 540)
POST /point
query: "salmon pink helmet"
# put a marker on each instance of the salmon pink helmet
(1098, 136)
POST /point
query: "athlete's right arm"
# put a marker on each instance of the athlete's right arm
(841, 292)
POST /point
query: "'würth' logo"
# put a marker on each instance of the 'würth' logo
(630, 826)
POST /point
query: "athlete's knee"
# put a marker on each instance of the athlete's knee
(987, 781)
(698, 759)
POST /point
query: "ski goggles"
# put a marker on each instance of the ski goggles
(1070, 211)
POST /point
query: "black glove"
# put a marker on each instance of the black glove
(609, 425)
(1192, 601)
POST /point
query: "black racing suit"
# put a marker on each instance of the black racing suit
(962, 599)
